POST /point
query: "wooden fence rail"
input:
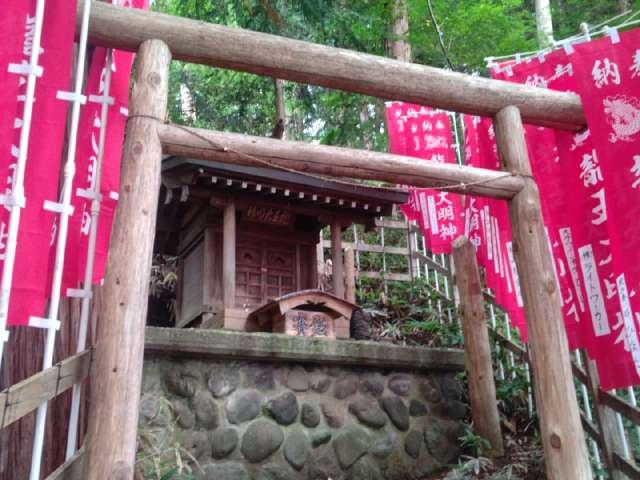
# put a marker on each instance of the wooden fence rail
(22, 398)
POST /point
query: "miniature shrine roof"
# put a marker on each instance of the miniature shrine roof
(270, 182)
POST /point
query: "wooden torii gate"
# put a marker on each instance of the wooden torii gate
(111, 441)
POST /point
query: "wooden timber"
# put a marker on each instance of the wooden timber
(116, 386)
(279, 57)
(336, 258)
(229, 254)
(334, 161)
(24, 397)
(349, 275)
(562, 435)
(477, 349)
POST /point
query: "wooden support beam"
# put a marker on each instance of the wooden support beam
(350, 275)
(562, 435)
(477, 349)
(334, 161)
(24, 397)
(116, 385)
(336, 258)
(612, 441)
(229, 254)
(305, 62)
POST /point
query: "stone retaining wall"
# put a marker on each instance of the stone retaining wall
(275, 420)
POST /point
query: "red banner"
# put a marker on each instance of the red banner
(85, 183)
(609, 73)
(589, 183)
(425, 133)
(488, 227)
(30, 280)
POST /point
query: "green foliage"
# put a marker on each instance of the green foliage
(472, 30)
(477, 444)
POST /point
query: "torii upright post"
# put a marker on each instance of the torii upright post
(113, 418)
(562, 436)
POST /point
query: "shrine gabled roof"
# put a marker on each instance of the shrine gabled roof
(313, 299)
(321, 190)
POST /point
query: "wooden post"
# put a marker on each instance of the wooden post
(229, 254)
(336, 259)
(562, 436)
(116, 384)
(612, 441)
(350, 275)
(477, 349)
(303, 62)
(337, 162)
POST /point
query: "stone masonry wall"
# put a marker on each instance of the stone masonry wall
(238, 420)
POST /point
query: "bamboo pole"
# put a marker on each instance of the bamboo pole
(113, 419)
(349, 275)
(477, 349)
(304, 62)
(229, 254)
(334, 161)
(562, 436)
(336, 259)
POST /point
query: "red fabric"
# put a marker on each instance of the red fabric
(30, 279)
(87, 151)
(589, 183)
(487, 225)
(425, 133)
(609, 84)
(549, 173)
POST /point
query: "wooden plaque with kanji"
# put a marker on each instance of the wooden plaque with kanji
(306, 324)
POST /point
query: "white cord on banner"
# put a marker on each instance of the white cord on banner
(32, 70)
(106, 101)
(68, 172)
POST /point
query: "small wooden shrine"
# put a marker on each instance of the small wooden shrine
(248, 235)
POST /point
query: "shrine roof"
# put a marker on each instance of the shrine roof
(327, 192)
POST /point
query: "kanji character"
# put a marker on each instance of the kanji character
(600, 210)
(605, 70)
(591, 173)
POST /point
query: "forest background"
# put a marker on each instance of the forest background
(470, 30)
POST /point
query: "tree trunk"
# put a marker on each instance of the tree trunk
(280, 127)
(399, 47)
(544, 23)
(623, 5)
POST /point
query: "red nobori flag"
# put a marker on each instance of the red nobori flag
(425, 133)
(550, 174)
(487, 225)
(609, 73)
(30, 279)
(85, 183)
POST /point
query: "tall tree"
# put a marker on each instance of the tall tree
(400, 48)
(544, 23)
